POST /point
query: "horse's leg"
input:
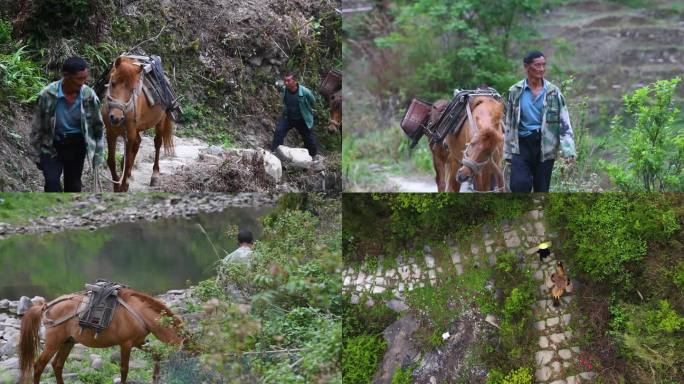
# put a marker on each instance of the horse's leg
(111, 158)
(125, 357)
(58, 361)
(131, 150)
(48, 352)
(154, 181)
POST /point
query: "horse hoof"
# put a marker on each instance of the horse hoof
(154, 181)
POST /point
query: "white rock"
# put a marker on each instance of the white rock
(543, 342)
(491, 319)
(572, 380)
(456, 257)
(588, 375)
(459, 269)
(565, 354)
(557, 338)
(429, 261)
(272, 165)
(543, 357)
(540, 325)
(552, 321)
(298, 157)
(445, 335)
(24, 305)
(543, 373)
(378, 289)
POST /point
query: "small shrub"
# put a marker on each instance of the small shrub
(207, 289)
(403, 376)
(360, 358)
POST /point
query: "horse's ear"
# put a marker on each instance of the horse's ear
(117, 62)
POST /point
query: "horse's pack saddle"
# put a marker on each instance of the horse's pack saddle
(100, 303)
(156, 85)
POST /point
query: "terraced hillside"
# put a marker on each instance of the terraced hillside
(613, 48)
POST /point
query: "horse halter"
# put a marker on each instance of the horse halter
(124, 107)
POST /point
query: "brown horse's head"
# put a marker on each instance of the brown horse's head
(122, 88)
(487, 143)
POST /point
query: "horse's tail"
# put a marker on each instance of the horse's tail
(29, 340)
(167, 135)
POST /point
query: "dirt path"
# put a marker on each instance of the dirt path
(186, 154)
(415, 183)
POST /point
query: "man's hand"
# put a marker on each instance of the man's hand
(569, 160)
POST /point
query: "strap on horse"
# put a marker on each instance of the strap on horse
(92, 307)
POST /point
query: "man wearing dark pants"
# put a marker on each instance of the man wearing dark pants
(67, 127)
(298, 104)
(537, 127)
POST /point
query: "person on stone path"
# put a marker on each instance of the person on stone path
(67, 127)
(544, 251)
(298, 103)
(537, 127)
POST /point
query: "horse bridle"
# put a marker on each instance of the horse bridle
(475, 166)
(130, 104)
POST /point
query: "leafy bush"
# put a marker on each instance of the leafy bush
(360, 358)
(609, 233)
(51, 18)
(359, 319)
(652, 336)
(653, 143)
(20, 78)
(207, 289)
(403, 376)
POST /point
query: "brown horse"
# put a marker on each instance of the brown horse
(482, 143)
(126, 112)
(128, 328)
(335, 103)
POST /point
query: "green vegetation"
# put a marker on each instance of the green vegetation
(360, 357)
(651, 146)
(290, 331)
(378, 223)
(609, 233)
(627, 248)
(17, 207)
(515, 345)
(517, 376)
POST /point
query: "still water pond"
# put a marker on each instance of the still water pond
(148, 256)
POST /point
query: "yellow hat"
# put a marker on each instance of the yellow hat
(544, 245)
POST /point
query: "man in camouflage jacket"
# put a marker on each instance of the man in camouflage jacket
(67, 127)
(537, 127)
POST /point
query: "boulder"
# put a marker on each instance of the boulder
(297, 157)
(272, 166)
(400, 349)
(24, 305)
(453, 353)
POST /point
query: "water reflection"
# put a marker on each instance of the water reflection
(148, 256)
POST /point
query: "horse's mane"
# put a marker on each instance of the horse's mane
(490, 137)
(126, 72)
(154, 304)
(497, 113)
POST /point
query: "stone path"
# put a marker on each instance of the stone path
(557, 357)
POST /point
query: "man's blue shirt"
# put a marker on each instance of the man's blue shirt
(67, 117)
(531, 110)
